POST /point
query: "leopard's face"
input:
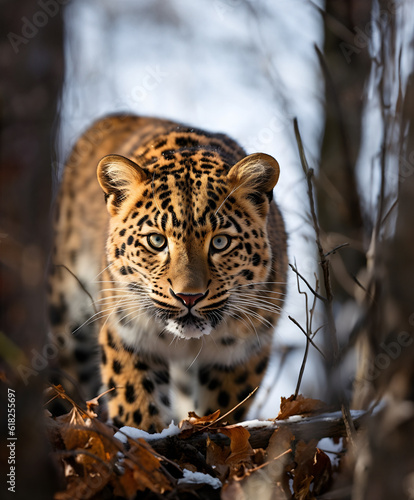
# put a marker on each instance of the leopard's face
(188, 243)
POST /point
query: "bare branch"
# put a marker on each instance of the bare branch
(338, 247)
(317, 295)
(80, 284)
(324, 262)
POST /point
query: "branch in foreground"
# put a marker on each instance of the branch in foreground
(316, 427)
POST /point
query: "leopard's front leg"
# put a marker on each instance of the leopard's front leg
(140, 395)
(224, 387)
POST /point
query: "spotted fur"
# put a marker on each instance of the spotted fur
(189, 289)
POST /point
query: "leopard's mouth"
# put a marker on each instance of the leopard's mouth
(191, 324)
(193, 327)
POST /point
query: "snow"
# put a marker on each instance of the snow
(256, 424)
(330, 417)
(134, 433)
(199, 478)
(294, 418)
(332, 449)
(323, 417)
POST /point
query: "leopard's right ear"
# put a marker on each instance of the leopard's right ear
(118, 177)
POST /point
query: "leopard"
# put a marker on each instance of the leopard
(168, 270)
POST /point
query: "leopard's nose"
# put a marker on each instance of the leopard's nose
(189, 299)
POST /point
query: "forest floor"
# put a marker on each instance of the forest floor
(202, 457)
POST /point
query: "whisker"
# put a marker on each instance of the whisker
(257, 300)
(103, 270)
(253, 314)
(225, 199)
(259, 291)
(236, 316)
(198, 354)
(250, 321)
(254, 283)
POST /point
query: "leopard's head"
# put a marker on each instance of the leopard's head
(188, 237)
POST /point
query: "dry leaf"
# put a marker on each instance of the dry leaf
(279, 442)
(92, 403)
(142, 471)
(240, 448)
(300, 406)
(313, 471)
(106, 435)
(73, 429)
(195, 420)
(216, 456)
(86, 487)
(194, 423)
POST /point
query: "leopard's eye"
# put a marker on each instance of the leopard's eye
(157, 241)
(220, 242)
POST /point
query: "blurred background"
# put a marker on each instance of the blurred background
(342, 68)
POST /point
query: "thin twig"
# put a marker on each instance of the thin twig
(232, 410)
(293, 320)
(308, 332)
(349, 425)
(325, 265)
(334, 250)
(265, 464)
(80, 284)
(389, 211)
(294, 269)
(324, 262)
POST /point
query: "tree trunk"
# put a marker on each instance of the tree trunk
(31, 59)
(345, 64)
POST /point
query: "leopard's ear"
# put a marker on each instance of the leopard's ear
(118, 178)
(255, 175)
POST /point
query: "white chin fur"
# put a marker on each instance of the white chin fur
(187, 332)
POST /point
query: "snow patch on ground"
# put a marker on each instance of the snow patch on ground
(332, 449)
(134, 433)
(199, 478)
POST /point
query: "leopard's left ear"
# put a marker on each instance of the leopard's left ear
(118, 177)
(256, 174)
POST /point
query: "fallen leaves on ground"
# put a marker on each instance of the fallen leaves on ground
(93, 460)
(94, 464)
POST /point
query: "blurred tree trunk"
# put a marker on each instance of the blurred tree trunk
(31, 67)
(345, 64)
(385, 462)
(384, 465)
